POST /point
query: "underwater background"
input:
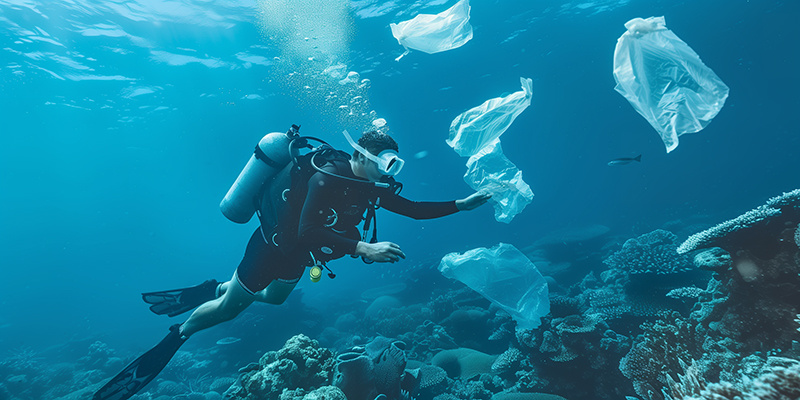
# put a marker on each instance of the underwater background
(124, 123)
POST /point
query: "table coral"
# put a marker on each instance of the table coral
(747, 230)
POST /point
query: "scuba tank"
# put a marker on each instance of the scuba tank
(269, 158)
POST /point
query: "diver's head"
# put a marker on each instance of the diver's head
(376, 153)
(375, 142)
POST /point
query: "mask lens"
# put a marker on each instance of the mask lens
(390, 163)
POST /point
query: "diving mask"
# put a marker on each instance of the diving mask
(389, 163)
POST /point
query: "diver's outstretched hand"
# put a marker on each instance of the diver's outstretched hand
(474, 201)
(380, 252)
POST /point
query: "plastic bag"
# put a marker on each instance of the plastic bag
(476, 128)
(665, 80)
(504, 276)
(492, 172)
(434, 33)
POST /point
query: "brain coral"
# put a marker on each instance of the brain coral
(463, 362)
(713, 259)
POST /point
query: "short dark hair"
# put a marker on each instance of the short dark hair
(375, 142)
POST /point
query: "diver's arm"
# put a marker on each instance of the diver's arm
(433, 209)
(473, 201)
(418, 209)
(380, 252)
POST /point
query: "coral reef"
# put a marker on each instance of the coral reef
(526, 396)
(777, 379)
(761, 284)
(657, 352)
(323, 393)
(797, 235)
(426, 340)
(464, 363)
(630, 322)
(220, 385)
(689, 292)
(430, 380)
(376, 369)
(508, 361)
(747, 309)
(713, 259)
(747, 230)
(651, 253)
(300, 364)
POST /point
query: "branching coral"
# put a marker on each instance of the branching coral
(508, 361)
(778, 379)
(690, 292)
(658, 352)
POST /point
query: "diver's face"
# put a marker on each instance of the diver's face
(371, 170)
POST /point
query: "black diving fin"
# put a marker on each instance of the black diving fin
(143, 369)
(178, 301)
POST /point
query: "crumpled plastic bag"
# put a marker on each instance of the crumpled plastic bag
(476, 128)
(665, 80)
(504, 276)
(490, 171)
(434, 33)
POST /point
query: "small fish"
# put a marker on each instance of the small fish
(625, 160)
(228, 340)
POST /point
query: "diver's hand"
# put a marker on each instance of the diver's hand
(474, 201)
(380, 252)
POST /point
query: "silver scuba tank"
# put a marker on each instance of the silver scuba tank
(244, 196)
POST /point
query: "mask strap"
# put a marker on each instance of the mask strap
(360, 149)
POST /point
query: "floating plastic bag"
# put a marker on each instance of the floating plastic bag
(505, 277)
(665, 80)
(434, 33)
(492, 172)
(476, 128)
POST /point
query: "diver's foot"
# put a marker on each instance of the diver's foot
(143, 369)
(178, 301)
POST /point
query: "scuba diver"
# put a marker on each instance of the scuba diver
(310, 207)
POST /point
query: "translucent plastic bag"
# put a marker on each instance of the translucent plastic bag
(665, 80)
(476, 128)
(434, 33)
(504, 276)
(492, 172)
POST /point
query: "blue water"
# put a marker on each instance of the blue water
(125, 122)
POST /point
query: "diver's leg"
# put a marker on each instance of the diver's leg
(277, 291)
(235, 299)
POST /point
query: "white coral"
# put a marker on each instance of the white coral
(797, 235)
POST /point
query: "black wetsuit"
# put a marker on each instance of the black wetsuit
(326, 226)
